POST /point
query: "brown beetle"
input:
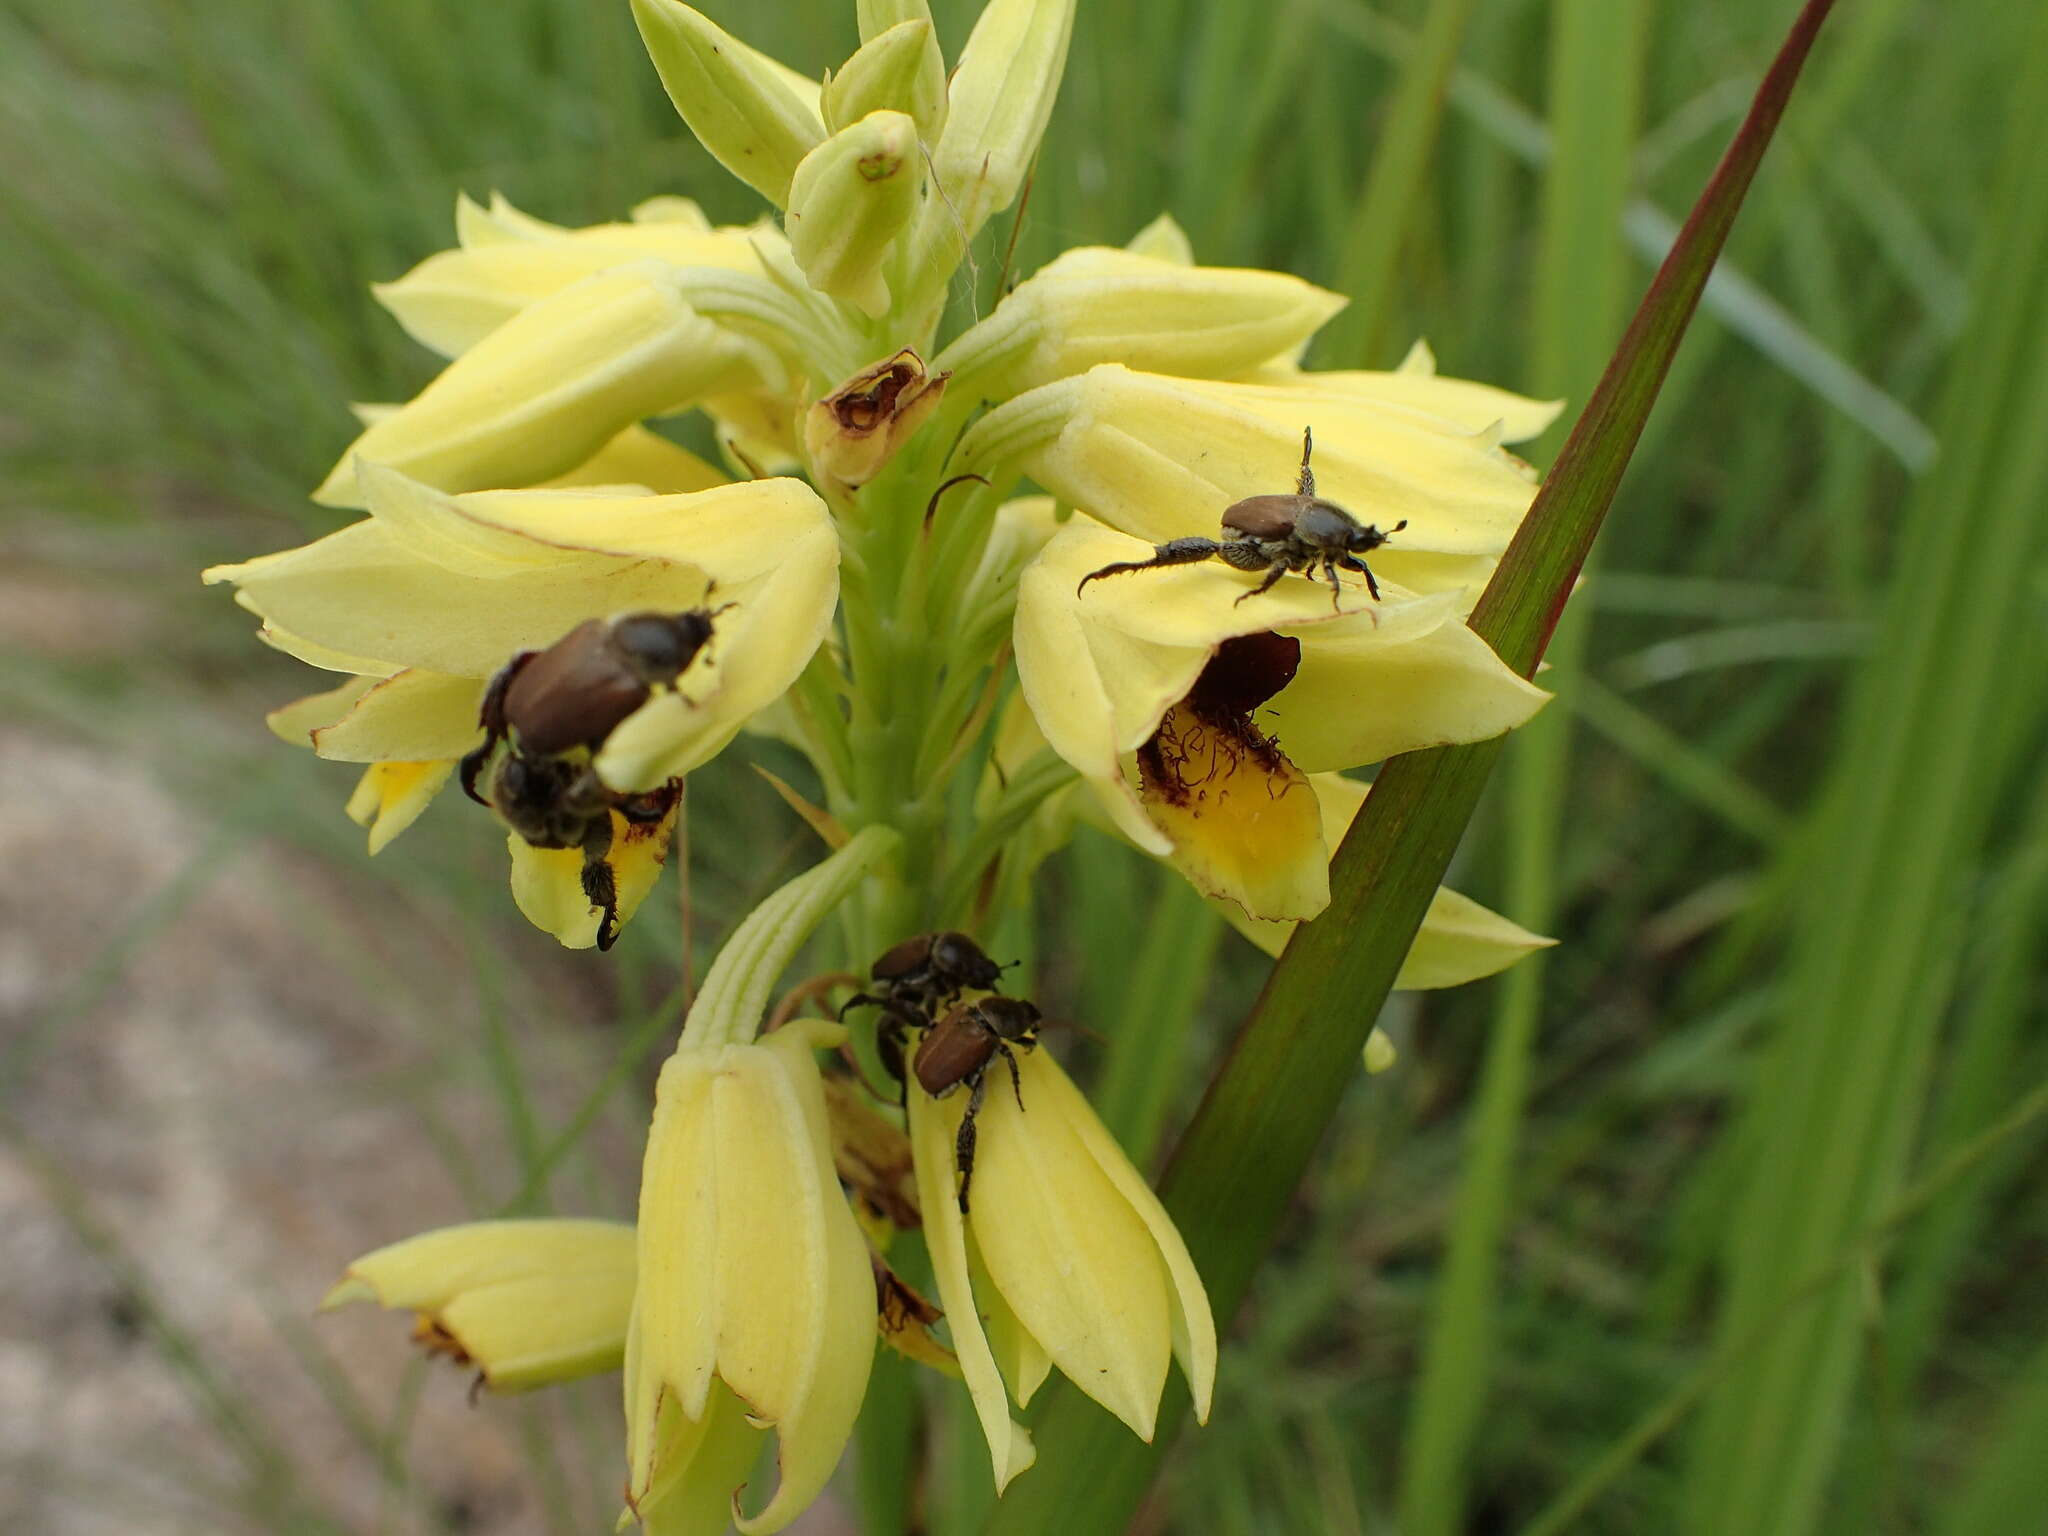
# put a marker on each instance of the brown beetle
(1277, 534)
(961, 1048)
(918, 977)
(550, 709)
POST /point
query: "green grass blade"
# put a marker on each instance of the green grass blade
(1596, 64)
(1384, 216)
(1926, 748)
(1238, 1165)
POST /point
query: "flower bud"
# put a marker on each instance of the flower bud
(900, 69)
(850, 198)
(454, 299)
(1101, 305)
(855, 430)
(526, 1302)
(997, 105)
(548, 388)
(736, 100)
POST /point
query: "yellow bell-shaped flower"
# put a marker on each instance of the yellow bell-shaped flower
(527, 1303)
(549, 387)
(428, 597)
(1065, 1258)
(508, 260)
(756, 1304)
(1162, 458)
(1096, 304)
(1197, 717)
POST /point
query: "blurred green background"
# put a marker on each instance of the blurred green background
(1676, 1166)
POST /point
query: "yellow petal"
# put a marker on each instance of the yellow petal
(825, 1388)
(642, 458)
(1416, 386)
(1363, 694)
(945, 1236)
(699, 1464)
(1021, 1358)
(390, 796)
(1194, 1328)
(454, 299)
(411, 716)
(297, 721)
(458, 584)
(530, 1302)
(1070, 1256)
(1243, 820)
(1096, 305)
(547, 883)
(1460, 940)
(1161, 458)
(549, 387)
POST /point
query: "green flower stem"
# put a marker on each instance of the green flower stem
(1237, 1167)
(729, 1007)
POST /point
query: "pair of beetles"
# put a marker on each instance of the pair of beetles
(552, 709)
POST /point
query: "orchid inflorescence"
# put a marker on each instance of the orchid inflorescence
(891, 558)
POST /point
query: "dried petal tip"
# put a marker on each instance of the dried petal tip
(855, 430)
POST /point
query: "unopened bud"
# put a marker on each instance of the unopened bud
(853, 432)
(898, 70)
(850, 198)
(737, 101)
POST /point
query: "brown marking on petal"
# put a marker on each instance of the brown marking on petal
(904, 1318)
(643, 817)
(871, 1155)
(1210, 732)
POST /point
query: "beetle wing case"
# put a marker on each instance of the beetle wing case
(573, 693)
(1265, 517)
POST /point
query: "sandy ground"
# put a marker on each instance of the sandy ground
(201, 1120)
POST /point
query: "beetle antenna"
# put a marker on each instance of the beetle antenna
(931, 508)
(1306, 484)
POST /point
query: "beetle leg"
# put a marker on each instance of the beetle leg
(1353, 563)
(600, 882)
(1273, 573)
(963, 1144)
(491, 716)
(1305, 483)
(1173, 552)
(1330, 575)
(1016, 1082)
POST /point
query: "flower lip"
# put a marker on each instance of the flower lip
(1209, 734)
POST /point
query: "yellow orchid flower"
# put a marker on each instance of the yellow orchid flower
(1161, 458)
(753, 1274)
(1196, 718)
(1065, 1258)
(550, 386)
(1096, 304)
(435, 593)
(507, 261)
(528, 1303)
